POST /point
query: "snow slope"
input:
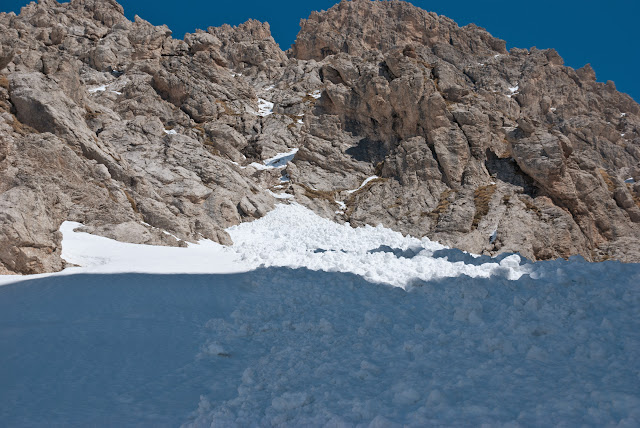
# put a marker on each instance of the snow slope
(283, 347)
(304, 322)
(332, 350)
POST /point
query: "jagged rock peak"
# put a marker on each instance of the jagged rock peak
(355, 27)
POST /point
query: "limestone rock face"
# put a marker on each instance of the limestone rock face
(148, 139)
(359, 26)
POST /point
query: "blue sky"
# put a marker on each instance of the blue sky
(604, 34)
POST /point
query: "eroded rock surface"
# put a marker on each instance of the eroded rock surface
(149, 139)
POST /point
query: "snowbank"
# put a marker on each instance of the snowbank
(289, 236)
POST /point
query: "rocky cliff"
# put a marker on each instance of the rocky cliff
(399, 117)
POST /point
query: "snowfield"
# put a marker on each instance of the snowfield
(305, 322)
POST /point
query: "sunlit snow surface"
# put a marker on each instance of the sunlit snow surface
(265, 108)
(100, 88)
(293, 236)
(325, 339)
(364, 183)
(278, 161)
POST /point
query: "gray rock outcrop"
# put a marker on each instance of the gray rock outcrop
(119, 126)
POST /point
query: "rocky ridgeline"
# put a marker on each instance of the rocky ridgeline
(149, 139)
